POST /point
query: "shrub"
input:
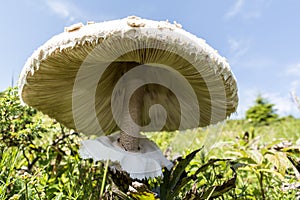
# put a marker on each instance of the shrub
(262, 113)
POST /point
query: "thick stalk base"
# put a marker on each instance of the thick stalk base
(128, 142)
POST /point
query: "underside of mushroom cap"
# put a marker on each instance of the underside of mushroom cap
(76, 77)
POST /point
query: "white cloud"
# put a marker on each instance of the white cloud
(71, 11)
(241, 53)
(295, 84)
(252, 14)
(293, 70)
(292, 74)
(235, 9)
(283, 103)
(247, 9)
(64, 9)
(238, 48)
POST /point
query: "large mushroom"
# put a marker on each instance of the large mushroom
(118, 78)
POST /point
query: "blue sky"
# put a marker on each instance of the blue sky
(260, 38)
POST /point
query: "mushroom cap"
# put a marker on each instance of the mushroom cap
(78, 77)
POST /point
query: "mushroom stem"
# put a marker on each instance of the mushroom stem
(128, 142)
(130, 134)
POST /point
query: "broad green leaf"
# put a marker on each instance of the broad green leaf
(144, 196)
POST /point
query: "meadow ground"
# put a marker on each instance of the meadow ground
(39, 159)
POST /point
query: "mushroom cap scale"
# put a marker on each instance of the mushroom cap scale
(76, 77)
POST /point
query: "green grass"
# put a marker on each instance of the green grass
(265, 170)
(261, 170)
(227, 132)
